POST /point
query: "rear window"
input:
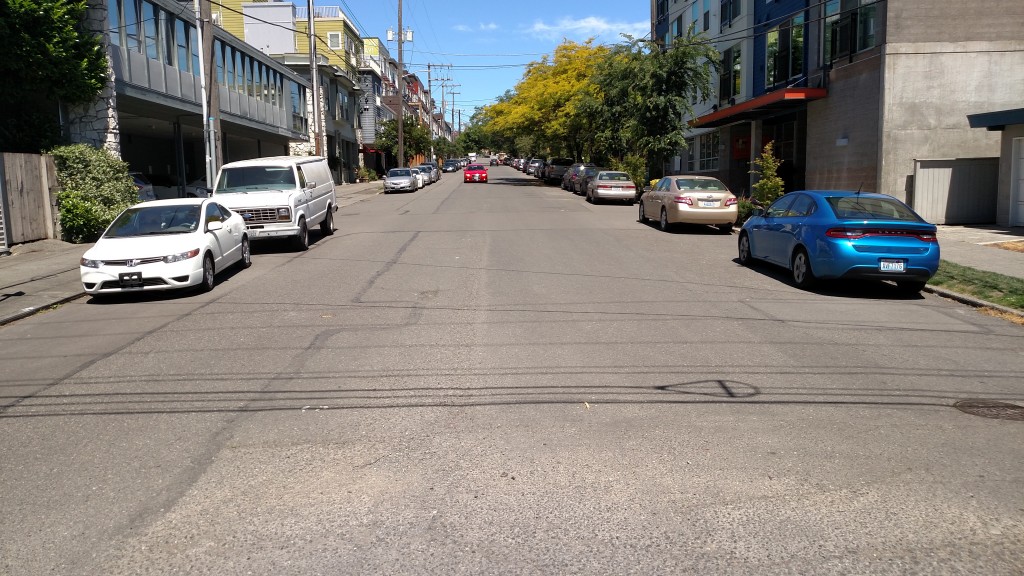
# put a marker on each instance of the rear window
(867, 208)
(561, 162)
(617, 176)
(700, 184)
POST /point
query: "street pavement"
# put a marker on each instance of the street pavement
(39, 275)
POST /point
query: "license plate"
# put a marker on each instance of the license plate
(617, 188)
(130, 279)
(708, 204)
(890, 265)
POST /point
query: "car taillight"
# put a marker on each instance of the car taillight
(730, 201)
(855, 233)
(684, 200)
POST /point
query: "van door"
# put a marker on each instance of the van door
(305, 195)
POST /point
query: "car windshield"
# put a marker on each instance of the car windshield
(617, 176)
(152, 220)
(700, 184)
(399, 173)
(250, 178)
(868, 208)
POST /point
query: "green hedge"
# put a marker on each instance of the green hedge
(94, 188)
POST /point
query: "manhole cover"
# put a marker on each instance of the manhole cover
(991, 409)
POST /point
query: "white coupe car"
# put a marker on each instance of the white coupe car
(164, 245)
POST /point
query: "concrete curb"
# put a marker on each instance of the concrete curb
(32, 311)
(972, 301)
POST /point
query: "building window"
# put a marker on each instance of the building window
(732, 74)
(167, 37)
(731, 10)
(149, 30)
(695, 12)
(334, 40)
(691, 154)
(707, 15)
(784, 57)
(193, 40)
(181, 39)
(229, 67)
(114, 22)
(131, 26)
(708, 152)
(849, 28)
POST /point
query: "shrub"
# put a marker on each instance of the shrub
(743, 208)
(94, 188)
(634, 165)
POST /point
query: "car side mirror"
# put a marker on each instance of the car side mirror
(311, 184)
(757, 212)
(647, 188)
(214, 226)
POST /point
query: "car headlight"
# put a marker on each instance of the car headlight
(284, 214)
(90, 263)
(182, 256)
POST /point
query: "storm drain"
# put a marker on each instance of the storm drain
(991, 409)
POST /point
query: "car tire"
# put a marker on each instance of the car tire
(910, 287)
(725, 228)
(246, 259)
(209, 274)
(663, 222)
(800, 265)
(743, 246)
(327, 225)
(301, 242)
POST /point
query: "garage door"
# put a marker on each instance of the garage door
(956, 191)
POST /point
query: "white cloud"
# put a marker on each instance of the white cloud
(462, 28)
(591, 26)
(488, 26)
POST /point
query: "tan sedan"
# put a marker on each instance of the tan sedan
(689, 199)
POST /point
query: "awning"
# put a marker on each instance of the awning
(996, 121)
(760, 107)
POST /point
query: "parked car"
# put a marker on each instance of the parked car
(451, 166)
(555, 168)
(583, 179)
(475, 173)
(421, 177)
(825, 234)
(144, 186)
(611, 185)
(400, 180)
(690, 200)
(494, 161)
(432, 172)
(571, 174)
(164, 245)
(280, 197)
(164, 187)
(534, 165)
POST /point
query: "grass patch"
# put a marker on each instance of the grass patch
(989, 286)
(1015, 246)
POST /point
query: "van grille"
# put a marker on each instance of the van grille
(259, 215)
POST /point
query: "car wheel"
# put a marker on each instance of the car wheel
(725, 228)
(208, 274)
(744, 249)
(643, 216)
(910, 287)
(803, 276)
(327, 226)
(246, 260)
(301, 241)
(663, 221)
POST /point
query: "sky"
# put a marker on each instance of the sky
(489, 44)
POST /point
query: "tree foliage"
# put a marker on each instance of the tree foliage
(770, 185)
(49, 59)
(415, 138)
(624, 105)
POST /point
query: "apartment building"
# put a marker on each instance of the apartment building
(150, 112)
(857, 94)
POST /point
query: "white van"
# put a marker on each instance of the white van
(283, 196)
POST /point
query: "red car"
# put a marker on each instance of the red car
(475, 173)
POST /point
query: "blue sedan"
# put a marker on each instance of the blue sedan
(826, 234)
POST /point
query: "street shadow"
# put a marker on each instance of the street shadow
(690, 229)
(842, 288)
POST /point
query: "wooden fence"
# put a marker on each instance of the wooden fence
(28, 198)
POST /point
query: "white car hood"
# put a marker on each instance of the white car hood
(269, 198)
(143, 246)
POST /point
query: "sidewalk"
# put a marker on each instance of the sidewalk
(38, 275)
(42, 274)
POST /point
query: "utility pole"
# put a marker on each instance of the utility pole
(430, 115)
(314, 81)
(204, 89)
(401, 91)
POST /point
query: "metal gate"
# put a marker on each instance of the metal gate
(956, 191)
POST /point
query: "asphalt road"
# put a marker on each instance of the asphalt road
(504, 379)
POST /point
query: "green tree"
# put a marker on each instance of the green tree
(415, 138)
(770, 185)
(49, 59)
